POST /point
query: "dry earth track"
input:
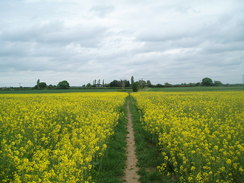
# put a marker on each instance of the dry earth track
(131, 175)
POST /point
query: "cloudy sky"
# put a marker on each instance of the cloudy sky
(171, 41)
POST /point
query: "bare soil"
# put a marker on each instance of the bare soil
(131, 175)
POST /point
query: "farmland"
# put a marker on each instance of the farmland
(198, 88)
(71, 90)
(55, 137)
(200, 134)
(80, 137)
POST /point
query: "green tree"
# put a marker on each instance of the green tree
(132, 80)
(149, 84)
(135, 87)
(51, 86)
(88, 85)
(142, 83)
(122, 84)
(37, 84)
(218, 83)
(167, 84)
(115, 83)
(42, 85)
(207, 82)
(63, 85)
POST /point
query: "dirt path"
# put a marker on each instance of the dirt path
(131, 170)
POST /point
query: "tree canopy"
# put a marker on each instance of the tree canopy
(40, 85)
(135, 86)
(207, 82)
(63, 85)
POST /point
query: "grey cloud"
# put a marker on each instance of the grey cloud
(164, 41)
(102, 10)
(56, 33)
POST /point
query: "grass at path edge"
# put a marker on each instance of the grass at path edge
(110, 167)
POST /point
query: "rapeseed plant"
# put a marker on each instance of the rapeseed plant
(200, 133)
(55, 137)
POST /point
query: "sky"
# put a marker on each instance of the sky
(174, 41)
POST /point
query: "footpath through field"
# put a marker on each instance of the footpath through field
(131, 175)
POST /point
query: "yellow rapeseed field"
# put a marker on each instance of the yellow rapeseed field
(200, 134)
(55, 137)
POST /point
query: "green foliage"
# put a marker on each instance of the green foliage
(167, 84)
(132, 80)
(51, 87)
(135, 87)
(207, 82)
(121, 83)
(42, 85)
(198, 88)
(37, 83)
(63, 85)
(218, 83)
(149, 84)
(115, 83)
(142, 83)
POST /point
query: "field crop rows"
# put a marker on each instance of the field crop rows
(60, 137)
(200, 134)
(55, 137)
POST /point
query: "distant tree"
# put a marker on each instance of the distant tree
(115, 83)
(159, 85)
(127, 83)
(167, 84)
(37, 84)
(198, 84)
(123, 84)
(207, 82)
(132, 80)
(135, 87)
(218, 83)
(142, 83)
(63, 85)
(149, 84)
(94, 83)
(42, 85)
(88, 85)
(51, 86)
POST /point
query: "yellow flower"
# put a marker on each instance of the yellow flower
(200, 129)
(228, 161)
(193, 168)
(56, 136)
(190, 178)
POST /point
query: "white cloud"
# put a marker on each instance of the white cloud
(164, 41)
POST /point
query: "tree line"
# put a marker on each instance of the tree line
(135, 85)
(43, 85)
